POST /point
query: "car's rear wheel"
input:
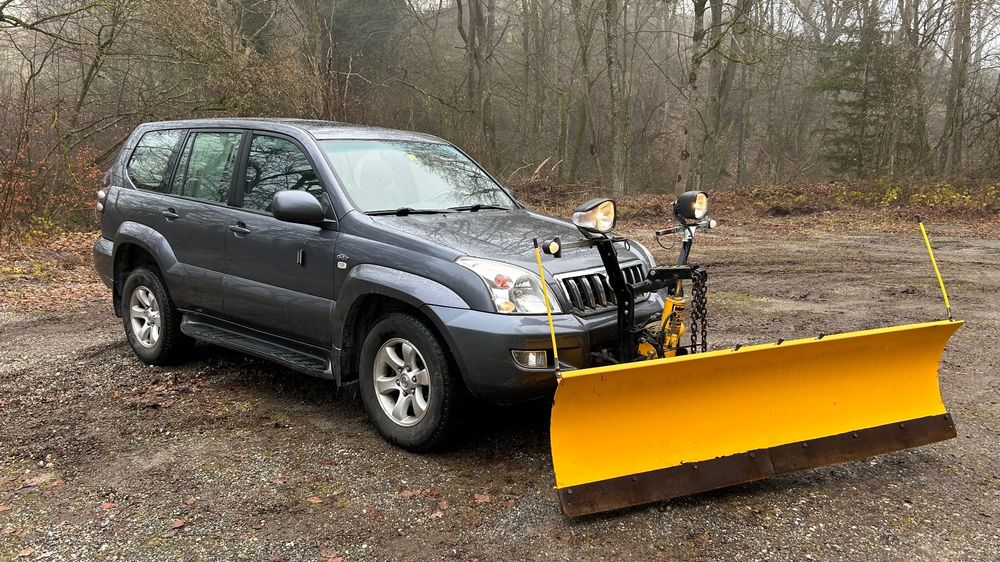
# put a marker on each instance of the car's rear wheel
(152, 323)
(408, 387)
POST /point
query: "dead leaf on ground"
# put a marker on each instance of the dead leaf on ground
(4, 508)
(190, 501)
(702, 537)
(315, 500)
(26, 552)
(437, 514)
(443, 504)
(509, 503)
(481, 498)
(108, 505)
(178, 523)
(328, 552)
(8, 531)
(409, 493)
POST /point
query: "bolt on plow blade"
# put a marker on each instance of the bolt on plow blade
(635, 433)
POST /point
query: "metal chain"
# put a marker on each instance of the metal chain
(699, 310)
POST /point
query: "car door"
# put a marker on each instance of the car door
(191, 213)
(279, 275)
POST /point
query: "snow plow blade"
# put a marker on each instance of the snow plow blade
(635, 433)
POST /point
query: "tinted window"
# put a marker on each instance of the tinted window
(149, 167)
(275, 165)
(206, 166)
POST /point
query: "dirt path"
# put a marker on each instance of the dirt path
(227, 457)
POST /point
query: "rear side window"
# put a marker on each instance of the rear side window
(149, 167)
(277, 164)
(206, 167)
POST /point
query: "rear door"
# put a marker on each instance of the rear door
(279, 275)
(190, 208)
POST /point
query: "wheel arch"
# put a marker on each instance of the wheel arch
(372, 291)
(135, 245)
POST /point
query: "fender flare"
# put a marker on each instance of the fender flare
(365, 280)
(369, 279)
(147, 238)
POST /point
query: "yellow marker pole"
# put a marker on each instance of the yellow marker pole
(927, 241)
(548, 308)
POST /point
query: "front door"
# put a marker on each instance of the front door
(279, 275)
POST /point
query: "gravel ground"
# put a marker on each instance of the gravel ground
(232, 458)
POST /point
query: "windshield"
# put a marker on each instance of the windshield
(390, 175)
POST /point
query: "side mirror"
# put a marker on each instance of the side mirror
(298, 207)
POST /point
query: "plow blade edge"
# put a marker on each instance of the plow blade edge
(635, 433)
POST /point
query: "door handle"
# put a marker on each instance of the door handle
(240, 229)
(170, 214)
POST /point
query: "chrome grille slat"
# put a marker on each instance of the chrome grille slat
(589, 292)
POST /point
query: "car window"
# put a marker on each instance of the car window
(277, 164)
(206, 166)
(149, 167)
(384, 175)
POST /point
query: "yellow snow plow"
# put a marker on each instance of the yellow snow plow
(661, 419)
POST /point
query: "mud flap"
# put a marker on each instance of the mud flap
(631, 434)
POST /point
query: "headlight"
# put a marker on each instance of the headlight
(596, 215)
(692, 205)
(514, 290)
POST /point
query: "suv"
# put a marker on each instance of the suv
(373, 257)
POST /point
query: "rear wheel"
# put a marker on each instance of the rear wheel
(407, 384)
(152, 323)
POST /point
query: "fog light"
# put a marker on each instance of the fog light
(531, 359)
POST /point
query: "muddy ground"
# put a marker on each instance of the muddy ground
(232, 458)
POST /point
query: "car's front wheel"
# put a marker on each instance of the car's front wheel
(407, 384)
(152, 324)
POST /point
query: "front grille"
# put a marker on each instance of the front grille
(589, 291)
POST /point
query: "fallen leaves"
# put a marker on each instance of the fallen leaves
(108, 505)
(315, 500)
(175, 526)
(190, 501)
(481, 498)
(26, 552)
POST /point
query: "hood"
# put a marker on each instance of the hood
(502, 236)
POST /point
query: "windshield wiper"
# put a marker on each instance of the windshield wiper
(479, 206)
(403, 211)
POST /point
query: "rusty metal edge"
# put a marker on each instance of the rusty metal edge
(692, 478)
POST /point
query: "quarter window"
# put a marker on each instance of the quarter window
(149, 167)
(206, 167)
(277, 164)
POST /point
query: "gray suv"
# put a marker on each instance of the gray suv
(373, 257)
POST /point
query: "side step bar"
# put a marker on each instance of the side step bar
(299, 358)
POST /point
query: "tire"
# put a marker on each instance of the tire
(415, 411)
(152, 323)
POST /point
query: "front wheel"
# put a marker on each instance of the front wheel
(407, 385)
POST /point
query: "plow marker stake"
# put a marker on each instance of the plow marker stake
(635, 433)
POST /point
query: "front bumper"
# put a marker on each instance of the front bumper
(481, 343)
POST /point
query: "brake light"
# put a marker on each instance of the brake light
(102, 194)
